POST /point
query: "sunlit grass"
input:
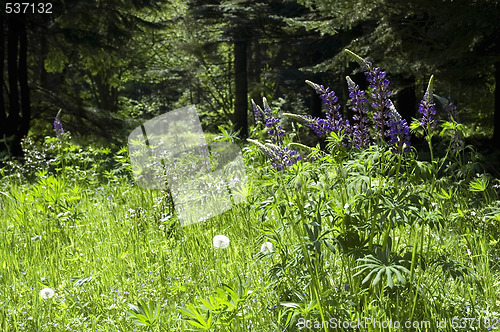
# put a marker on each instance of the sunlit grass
(295, 247)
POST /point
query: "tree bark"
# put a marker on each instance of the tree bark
(25, 120)
(15, 112)
(240, 88)
(254, 75)
(12, 71)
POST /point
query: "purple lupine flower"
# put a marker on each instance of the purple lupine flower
(399, 131)
(58, 127)
(457, 140)
(380, 95)
(281, 156)
(333, 121)
(427, 108)
(267, 117)
(257, 112)
(451, 110)
(360, 130)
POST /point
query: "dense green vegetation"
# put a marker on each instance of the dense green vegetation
(108, 65)
(363, 234)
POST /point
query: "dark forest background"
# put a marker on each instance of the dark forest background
(109, 65)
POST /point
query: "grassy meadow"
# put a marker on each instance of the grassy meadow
(361, 232)
(352, 236)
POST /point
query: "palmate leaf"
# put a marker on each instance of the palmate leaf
(382, 265)
(479, 184)
(144, 314)
(198, 319)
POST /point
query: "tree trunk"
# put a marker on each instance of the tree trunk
(15, 112)
(254, 75)
(496, 128)
(240, 88)
(12, 70)
(24, 124)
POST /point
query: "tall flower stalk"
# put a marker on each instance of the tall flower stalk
(272, 123)
(360, 129)
(399, 131)
(380, 93)
(333, 121)
(428, 110)
(58, 127)
(457, 140)
(281, 156)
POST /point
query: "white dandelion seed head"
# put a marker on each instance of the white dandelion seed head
(46, 293)
(221, 241)
(266, 248)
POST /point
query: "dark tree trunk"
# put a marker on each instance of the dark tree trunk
(24, 124)
(496, 128)
(254, 74)
(107, 95)
(15, 112)
(240, 88)
(12, 70)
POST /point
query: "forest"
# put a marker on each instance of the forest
(249, 165)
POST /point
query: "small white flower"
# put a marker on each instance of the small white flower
(266, 248)
(221, 241)
(46, 293)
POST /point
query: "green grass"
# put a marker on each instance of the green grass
(102, 243)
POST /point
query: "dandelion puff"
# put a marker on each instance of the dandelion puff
(221, 241)
(46, 293)
(266, 248)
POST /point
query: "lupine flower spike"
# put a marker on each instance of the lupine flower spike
(428, 108)
(380, 93)
(360, 129)
(457, 140)
(333, 121)
(399, 131)
(281, 156)
(266, 116)
(58, 127)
